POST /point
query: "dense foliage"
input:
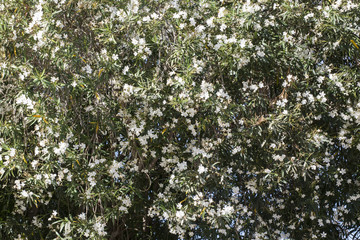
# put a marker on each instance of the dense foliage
(158, 119)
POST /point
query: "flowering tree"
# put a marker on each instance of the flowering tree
(179, 119)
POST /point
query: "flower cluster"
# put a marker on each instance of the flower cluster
(179, 119)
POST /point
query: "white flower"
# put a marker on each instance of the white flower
(227, 210)
(34, 163)
(26, 101)
(128, 89)
(222, 12)
(134, 41)
(260, 53)
(146, 19)
(103, 51)
(202, 169)
(61, 149)
(142, 41)
(54, 213)
(24, 193)
(127, 202)
(125, 70)
(210, 22)
(165, 215)
(38, 15)
(82, 216)
(12, 152)
(154, 16)
(183, 14)
(99, 228)
(180, 214)
(242, 43)
(88, 69)
(63, 146)
(200, 28)
(115, 57)
(182, 166)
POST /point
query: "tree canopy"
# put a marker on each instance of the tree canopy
(159, 119)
